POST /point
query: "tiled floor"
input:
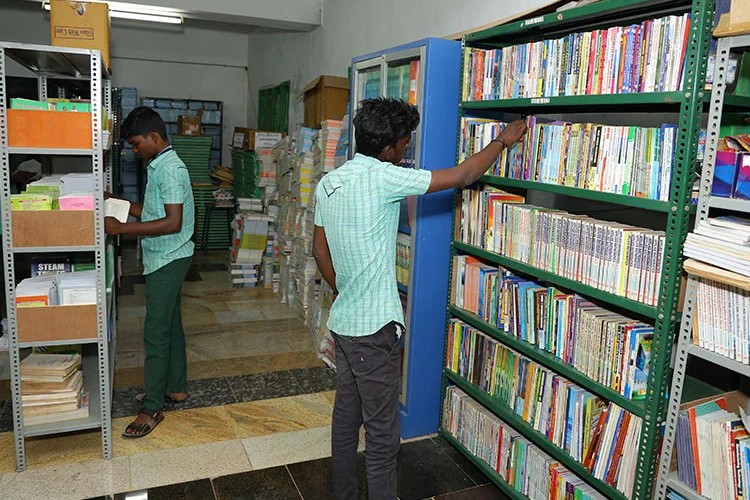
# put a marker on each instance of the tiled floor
(427, 469)
(256, 425)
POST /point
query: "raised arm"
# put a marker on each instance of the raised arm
(474, 167)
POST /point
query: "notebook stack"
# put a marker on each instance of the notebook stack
(52, 388)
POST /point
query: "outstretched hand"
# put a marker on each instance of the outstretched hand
(513, 132)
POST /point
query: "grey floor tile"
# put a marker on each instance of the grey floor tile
(318, 379)
(268, 385)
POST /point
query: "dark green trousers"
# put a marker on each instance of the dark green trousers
(165, 366)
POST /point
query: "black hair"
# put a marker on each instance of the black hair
(142, 121)
(382, 122)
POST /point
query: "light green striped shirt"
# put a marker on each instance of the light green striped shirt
(168, 184)
(358, 206)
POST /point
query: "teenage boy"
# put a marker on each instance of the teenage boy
(166, 226)
(354, 244)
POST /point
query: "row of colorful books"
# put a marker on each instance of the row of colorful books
(721, 319)
(713, 447)
(586, 427)
(522, 465)
(403, 258)
(633, 161)
(645, 57)
(402, 81)
(616, 258)
(607, 347)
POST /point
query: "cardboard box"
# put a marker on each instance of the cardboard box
(325, 98)
(250, 138)
(82, 25)
(48, 129)
(39, 324)
(46, 228)
(189, 125)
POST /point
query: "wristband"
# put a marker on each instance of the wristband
(497, 139)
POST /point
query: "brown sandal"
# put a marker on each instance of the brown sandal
(134, 430)
(168, 398)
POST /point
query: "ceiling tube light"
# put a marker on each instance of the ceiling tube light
(139, 16)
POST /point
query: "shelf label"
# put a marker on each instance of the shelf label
(540, 100)
(534, 20)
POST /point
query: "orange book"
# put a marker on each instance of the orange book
(32, 301)
(693, 413)
(413, 78)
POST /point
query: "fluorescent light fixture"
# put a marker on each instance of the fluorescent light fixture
(138, 13)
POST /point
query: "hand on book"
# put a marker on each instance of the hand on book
(108, 195)
(513, 132)
(112, 226)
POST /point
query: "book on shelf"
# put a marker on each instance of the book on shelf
(607, 347)
(71, 383)
(50, 264)
(566, 414)
(626, 160)
(403, 258)
(520, 463)
(722, 242)
(37, 291)
(645, 57)
(80, 411)
(57, 366)
(720, 321)
(713, 446)
(615, 258)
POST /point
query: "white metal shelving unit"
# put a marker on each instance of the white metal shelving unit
(97, 364)
(685, 346)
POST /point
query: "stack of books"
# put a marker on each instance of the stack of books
(325, 149)
(342, 148)
(248, 248)
(77, 289)
(39, 291)
(722, 242)
(52, 388)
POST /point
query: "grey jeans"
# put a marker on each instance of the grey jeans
(367, 380)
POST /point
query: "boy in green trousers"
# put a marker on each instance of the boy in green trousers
(167, 223)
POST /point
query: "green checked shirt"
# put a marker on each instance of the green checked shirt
(168, 184)
(358, 206)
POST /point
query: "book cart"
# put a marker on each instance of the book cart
(707, 204)
(67, 232)
(663, 313)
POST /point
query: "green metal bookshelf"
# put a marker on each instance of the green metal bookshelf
(690, 103)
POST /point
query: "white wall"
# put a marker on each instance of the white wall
(355, 27)
(187, 61)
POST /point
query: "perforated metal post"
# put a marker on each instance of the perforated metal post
(686, 325)
(10, 276)
(97, 159)
(41, 83)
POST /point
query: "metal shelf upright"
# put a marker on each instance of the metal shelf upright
(685, 347)
(97, 364)
(689, 102)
